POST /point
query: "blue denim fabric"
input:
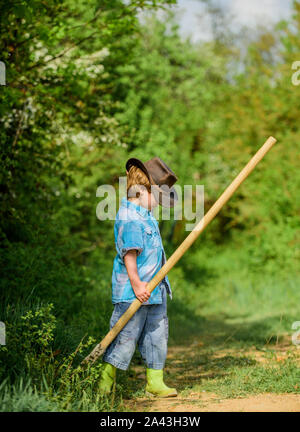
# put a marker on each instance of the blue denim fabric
(149, 328)
(137, 228)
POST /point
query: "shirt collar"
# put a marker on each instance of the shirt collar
(140, 209)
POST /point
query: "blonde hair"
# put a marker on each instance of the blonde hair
(135, 178)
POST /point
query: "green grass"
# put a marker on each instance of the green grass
(22, 396)
(256, 379)
(220, 293)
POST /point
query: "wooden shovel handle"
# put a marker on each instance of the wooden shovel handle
(185, 245)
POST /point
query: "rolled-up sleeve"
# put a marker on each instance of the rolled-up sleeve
(130, 237)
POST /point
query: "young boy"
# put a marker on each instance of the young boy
(140, 255)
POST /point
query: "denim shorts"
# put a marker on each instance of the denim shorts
(148, 328)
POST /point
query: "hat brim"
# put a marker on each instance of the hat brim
(165, 196)
(138, 163)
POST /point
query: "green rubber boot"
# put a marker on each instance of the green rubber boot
(107, 379)
(156, 386)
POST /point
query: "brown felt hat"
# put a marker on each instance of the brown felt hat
(160, 176)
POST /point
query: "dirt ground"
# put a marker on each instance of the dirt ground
(180, 372)
(198, 402)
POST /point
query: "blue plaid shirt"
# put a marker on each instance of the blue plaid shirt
(137, 228)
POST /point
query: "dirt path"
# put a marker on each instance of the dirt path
(196, 402)
(183, 373)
